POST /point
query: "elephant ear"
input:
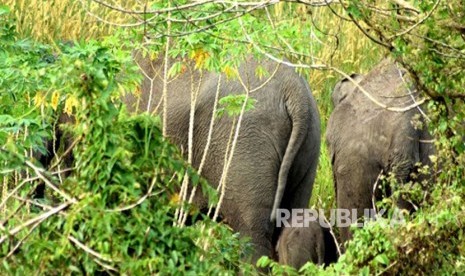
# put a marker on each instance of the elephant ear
(344, 87)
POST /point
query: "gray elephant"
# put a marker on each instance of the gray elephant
(298, 245)
(365, 139)
(275, 158)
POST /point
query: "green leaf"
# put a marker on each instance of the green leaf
(263, 261)
(175, 69)
(232, 104)
(443, 126)
(261, 72)
(382, 259)
(365, 271)
(354, 11)
(4, 9)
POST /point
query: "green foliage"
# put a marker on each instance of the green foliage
(116, 212)
(370, 251)
(232, 105)
(23, 64)
(120, 159)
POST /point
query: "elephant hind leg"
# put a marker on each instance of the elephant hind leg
(254, 224)
(261, 245)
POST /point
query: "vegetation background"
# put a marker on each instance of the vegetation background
(69, 21)
(430, 241)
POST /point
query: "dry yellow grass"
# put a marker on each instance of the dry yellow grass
(65, 19)
(71, 19)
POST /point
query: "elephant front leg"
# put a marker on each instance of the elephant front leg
(354, 196)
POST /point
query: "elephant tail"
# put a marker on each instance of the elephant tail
(300, 116)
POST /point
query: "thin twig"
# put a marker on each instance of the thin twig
(373, 197)
(338, 247)
(18, 244)
(93, 253)
(387, 268)
(140, 200)
(15, 190)
(206, 148)
(67, 151)
(39, 172)
(34, 220)
(410, 93)
(409, 29)
(33, 202)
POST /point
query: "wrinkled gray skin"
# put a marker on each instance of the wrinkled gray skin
(298, 245)
(279, 141)
(365, 139)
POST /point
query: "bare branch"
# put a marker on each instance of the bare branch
(34, 220)
(408, 30)
(16, 189)
(373, 195)
(33, 202)
(386, 269)
(375, 101)
(18, 244)
(92, 252)
(333, 235)
(411, 94)
(321, 3)
(365, 32)
(388, 13)
(47, 182)
(405, 5)
(188, 6)
(109, 22)
(67, 151)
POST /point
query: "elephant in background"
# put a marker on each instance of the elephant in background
(298, 245)
(365, 139)
(275, 159)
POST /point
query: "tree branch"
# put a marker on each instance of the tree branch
(34, 220)
(93, 253)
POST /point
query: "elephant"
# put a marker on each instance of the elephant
(299, 245)
(366, 139)
(275, 157)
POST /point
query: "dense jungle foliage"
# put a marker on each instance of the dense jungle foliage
(117, 209)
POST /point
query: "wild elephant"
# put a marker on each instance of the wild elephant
(298, 245)
(275, 158)
(366, 139)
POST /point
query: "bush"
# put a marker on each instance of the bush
(115, 213)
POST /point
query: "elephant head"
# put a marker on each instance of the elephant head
(344, 87)
(299, 245)
(365, 139)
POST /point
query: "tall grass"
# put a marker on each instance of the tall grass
(53, 20)
(344, 47)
